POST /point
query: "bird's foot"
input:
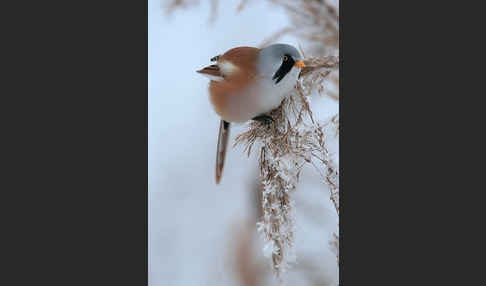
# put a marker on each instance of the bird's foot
(265, 119)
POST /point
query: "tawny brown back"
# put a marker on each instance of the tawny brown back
(245, 60)
(243, 57)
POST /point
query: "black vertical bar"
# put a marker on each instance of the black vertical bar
(75, 142)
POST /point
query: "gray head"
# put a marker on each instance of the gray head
(278, 60)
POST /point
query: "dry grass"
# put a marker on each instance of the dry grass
(172, 5)
(291, 141)
(314, 21)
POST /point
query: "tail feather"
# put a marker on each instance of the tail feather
(224, 130)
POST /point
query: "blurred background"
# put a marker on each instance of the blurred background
(201, 233)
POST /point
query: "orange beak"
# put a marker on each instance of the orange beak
(300, 64)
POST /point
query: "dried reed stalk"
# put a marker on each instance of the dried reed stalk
(293, 139)
(172, 5)
(315, 21)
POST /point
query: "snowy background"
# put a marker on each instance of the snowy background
(195, 226)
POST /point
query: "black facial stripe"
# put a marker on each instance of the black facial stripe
(284, 69)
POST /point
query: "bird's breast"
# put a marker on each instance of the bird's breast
(272, 94)
(240, 101)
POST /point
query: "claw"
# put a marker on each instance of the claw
(266, 119)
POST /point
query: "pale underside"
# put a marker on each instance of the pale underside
(259, 95)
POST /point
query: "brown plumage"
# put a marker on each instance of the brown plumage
(243, 57)
(221, 92)
(235, 70)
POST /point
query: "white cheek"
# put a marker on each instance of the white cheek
(271, 94)
(289, 81)
(227, 68)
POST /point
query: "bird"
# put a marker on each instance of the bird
(246, 83)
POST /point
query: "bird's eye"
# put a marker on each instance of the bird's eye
(285, 58)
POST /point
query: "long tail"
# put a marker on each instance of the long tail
(224, 130)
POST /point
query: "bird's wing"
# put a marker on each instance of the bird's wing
(239, 62)
(224, 130)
